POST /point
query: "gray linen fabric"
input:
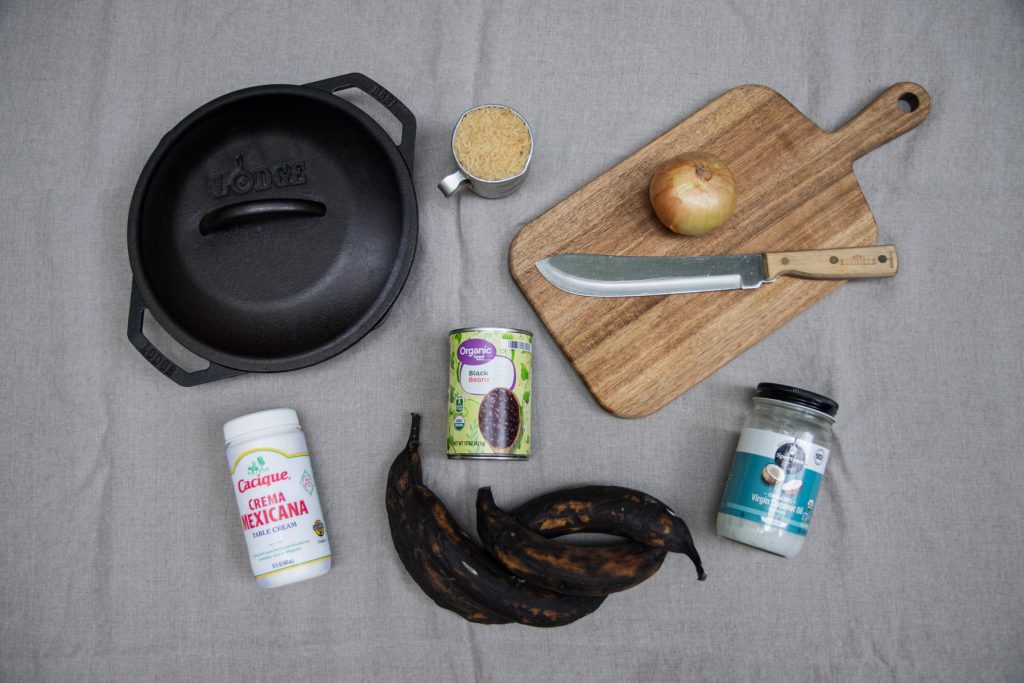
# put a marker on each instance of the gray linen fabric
(122, 558)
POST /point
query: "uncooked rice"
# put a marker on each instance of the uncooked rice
(493, 143)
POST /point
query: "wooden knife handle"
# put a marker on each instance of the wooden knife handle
(834, 264)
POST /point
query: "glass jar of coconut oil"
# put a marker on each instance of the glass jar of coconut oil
(780, 460)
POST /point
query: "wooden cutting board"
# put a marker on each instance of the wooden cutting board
(795, 190)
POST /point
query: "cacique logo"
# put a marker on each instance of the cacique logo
(242, 181)
(265, 480)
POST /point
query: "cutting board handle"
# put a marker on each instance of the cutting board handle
(893, 113)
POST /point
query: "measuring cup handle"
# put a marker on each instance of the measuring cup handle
(453, 184)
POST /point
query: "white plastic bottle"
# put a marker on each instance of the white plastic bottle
(272, 476)
(780, 460)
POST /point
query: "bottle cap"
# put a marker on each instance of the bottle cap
(800, 397)
(257, 422)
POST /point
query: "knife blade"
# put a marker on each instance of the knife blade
(616, 276)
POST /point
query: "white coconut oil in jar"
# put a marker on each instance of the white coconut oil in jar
(776, 473)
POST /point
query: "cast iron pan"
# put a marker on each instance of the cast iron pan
(272, 228)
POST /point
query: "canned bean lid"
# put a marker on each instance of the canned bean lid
(490, 329)
(797, 396)
(254, 422)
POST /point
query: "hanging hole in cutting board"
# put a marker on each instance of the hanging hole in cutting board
(178, 354)
(908, 102)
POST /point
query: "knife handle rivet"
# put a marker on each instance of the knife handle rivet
(883, 258)
(785, 260)
(833, 259)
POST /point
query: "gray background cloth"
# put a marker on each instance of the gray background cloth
(122, 557)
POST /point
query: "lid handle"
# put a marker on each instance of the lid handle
(243, 212)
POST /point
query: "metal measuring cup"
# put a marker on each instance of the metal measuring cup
(491, 189)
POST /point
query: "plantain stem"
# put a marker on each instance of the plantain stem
(414, 432)
(701, 576)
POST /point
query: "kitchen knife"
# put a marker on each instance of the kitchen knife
(610, 276)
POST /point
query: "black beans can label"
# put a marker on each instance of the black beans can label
(489, 393)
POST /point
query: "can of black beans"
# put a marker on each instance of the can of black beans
(489, 397)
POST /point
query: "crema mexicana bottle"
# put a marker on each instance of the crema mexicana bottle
(272, 476)
(772, 489)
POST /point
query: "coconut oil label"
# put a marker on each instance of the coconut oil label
(279, 510)
(489, 393)
(775, 480)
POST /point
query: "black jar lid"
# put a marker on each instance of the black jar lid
(800, 397)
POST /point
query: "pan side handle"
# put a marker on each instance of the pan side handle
(901, 107)
(381, 94)
(136, 311)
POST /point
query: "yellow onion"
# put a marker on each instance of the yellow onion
(693, 193)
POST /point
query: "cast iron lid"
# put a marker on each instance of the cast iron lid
(273, 227)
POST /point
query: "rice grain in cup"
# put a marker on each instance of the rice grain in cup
(492, 145)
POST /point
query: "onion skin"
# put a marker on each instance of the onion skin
(693, 193)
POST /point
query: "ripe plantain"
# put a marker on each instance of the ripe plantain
(453, 570)
(610, 510)
(569, 569)
(485, 580)
(403, 507)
